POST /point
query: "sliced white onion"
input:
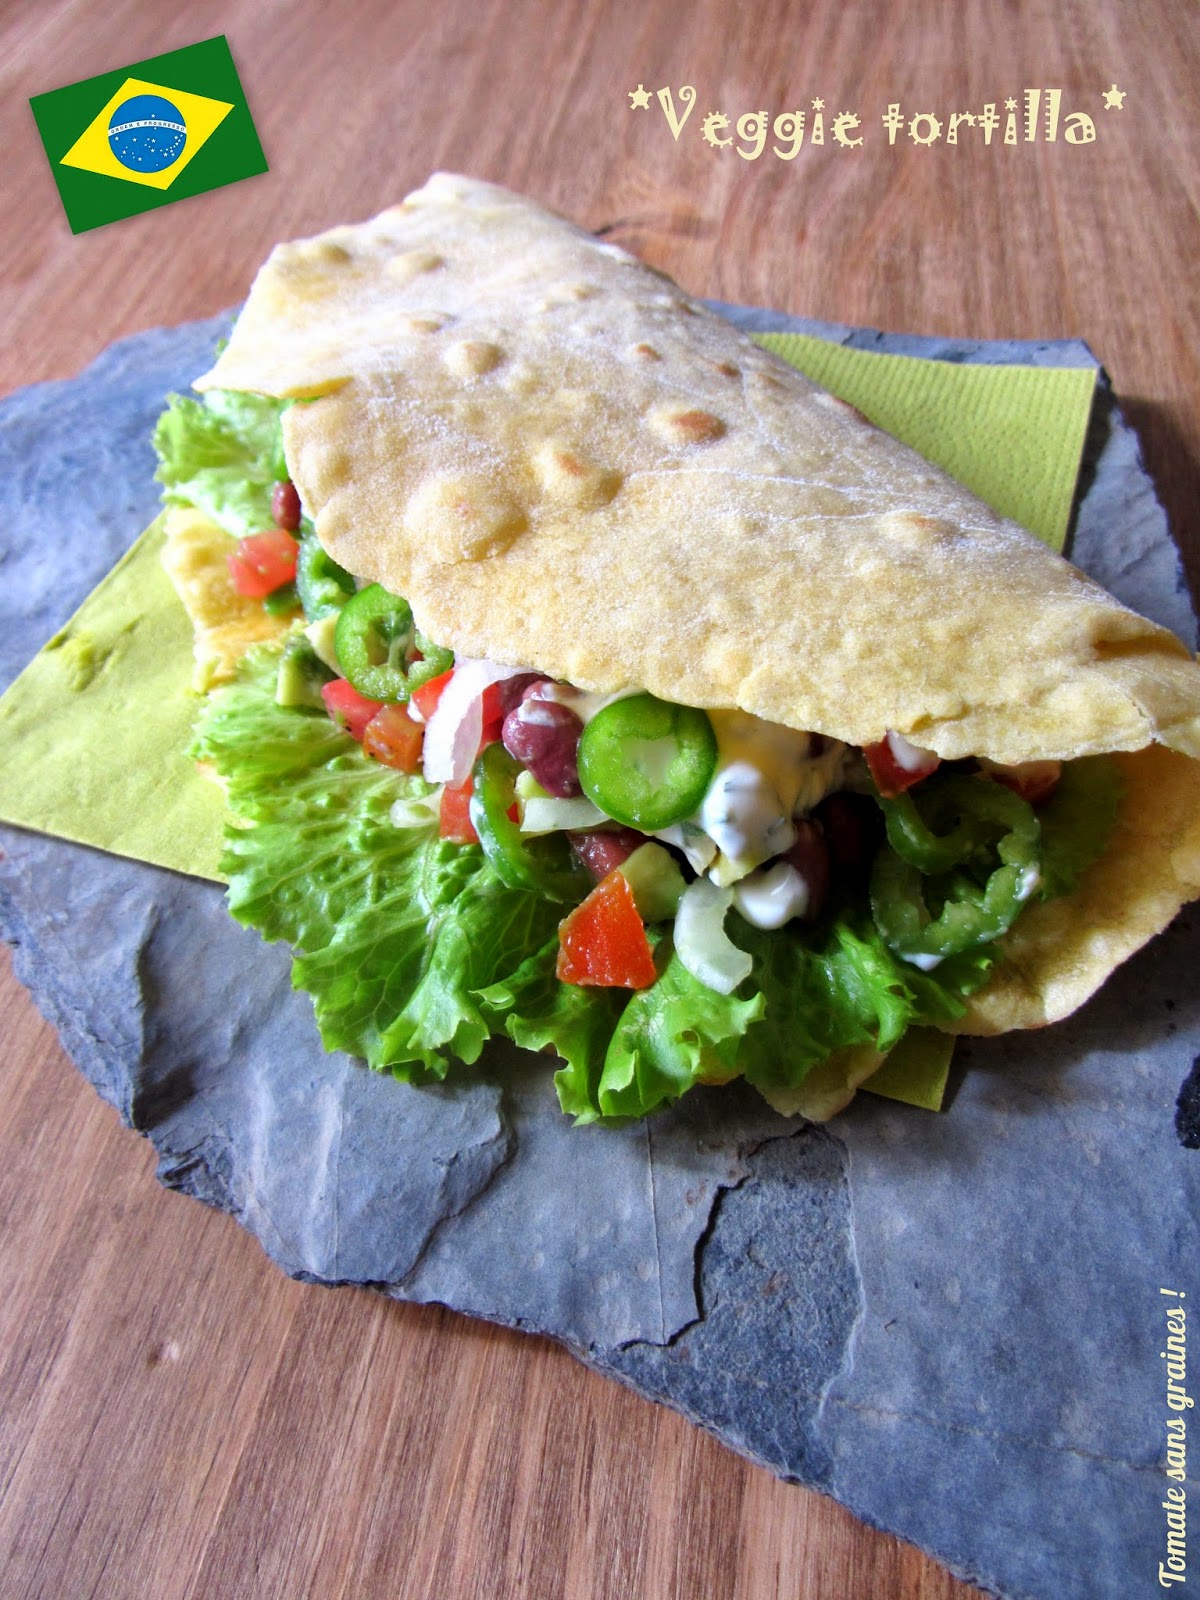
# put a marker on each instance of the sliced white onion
(703, 946)
(453, 732)
(550, 815)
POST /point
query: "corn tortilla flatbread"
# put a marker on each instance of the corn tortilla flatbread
(565, 463)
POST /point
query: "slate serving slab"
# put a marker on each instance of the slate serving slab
(951, 1323)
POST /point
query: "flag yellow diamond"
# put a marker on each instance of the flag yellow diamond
(147, 133)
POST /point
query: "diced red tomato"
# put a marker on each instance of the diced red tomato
(494, 712)
(454, 822)
(603, 942)
(263, 562)
(349, 709)
(427, 696)
(502, 697)
(285, 505)
(394, 738)
(1034, 781)
(896, 765)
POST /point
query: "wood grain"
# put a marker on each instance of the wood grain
(177, 1420)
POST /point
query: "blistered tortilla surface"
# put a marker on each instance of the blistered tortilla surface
(566, 463)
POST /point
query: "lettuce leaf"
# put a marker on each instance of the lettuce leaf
(222, 454)
(415, 952)
(395, 929)
(540, 1013)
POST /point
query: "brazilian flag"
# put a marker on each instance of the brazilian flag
(147, 134)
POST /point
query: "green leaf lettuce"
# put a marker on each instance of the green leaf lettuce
(222, 454)
(415, 952)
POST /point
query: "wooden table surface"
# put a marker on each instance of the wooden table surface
(176, 1417)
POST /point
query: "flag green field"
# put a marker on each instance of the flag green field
(149, 133)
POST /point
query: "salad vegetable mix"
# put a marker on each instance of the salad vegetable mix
(660, 894)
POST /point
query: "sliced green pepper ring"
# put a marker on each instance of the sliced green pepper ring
(322, 585)
(547, 867)
(980, 807)
(647, 762)
(373, 635)
(435, 659)
(971, 914)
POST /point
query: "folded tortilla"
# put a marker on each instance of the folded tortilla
(564, 462)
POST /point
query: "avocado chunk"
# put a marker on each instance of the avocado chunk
(302, 675)
(320, 636)
(657, 883)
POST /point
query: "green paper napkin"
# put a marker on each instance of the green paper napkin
(93, 734)
(1013, 435)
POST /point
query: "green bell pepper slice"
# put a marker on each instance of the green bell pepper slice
(970, 809)
(972, 913)
(546, 867)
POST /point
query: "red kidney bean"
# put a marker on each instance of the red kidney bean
(810, 857)
(513, 690)
(853, 826)
(544, 735)
(285, 505)
(602, 849)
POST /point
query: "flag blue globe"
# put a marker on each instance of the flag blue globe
(147, 133)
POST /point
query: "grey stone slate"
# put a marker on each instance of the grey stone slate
(952, 1323)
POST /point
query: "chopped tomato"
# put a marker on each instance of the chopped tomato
(350, 710)
(427, 696)
(394, 738)
(603, 942)
(455, 817)
(263, 562)
(495, 709)
(896, 765)
(1034, 781)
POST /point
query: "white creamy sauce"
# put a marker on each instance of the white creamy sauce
(772, 896)
(697, 847)
(743, 815)
(925, 963)
(765, 775)
(1028, 881)
(909, 756)
(584, 705)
